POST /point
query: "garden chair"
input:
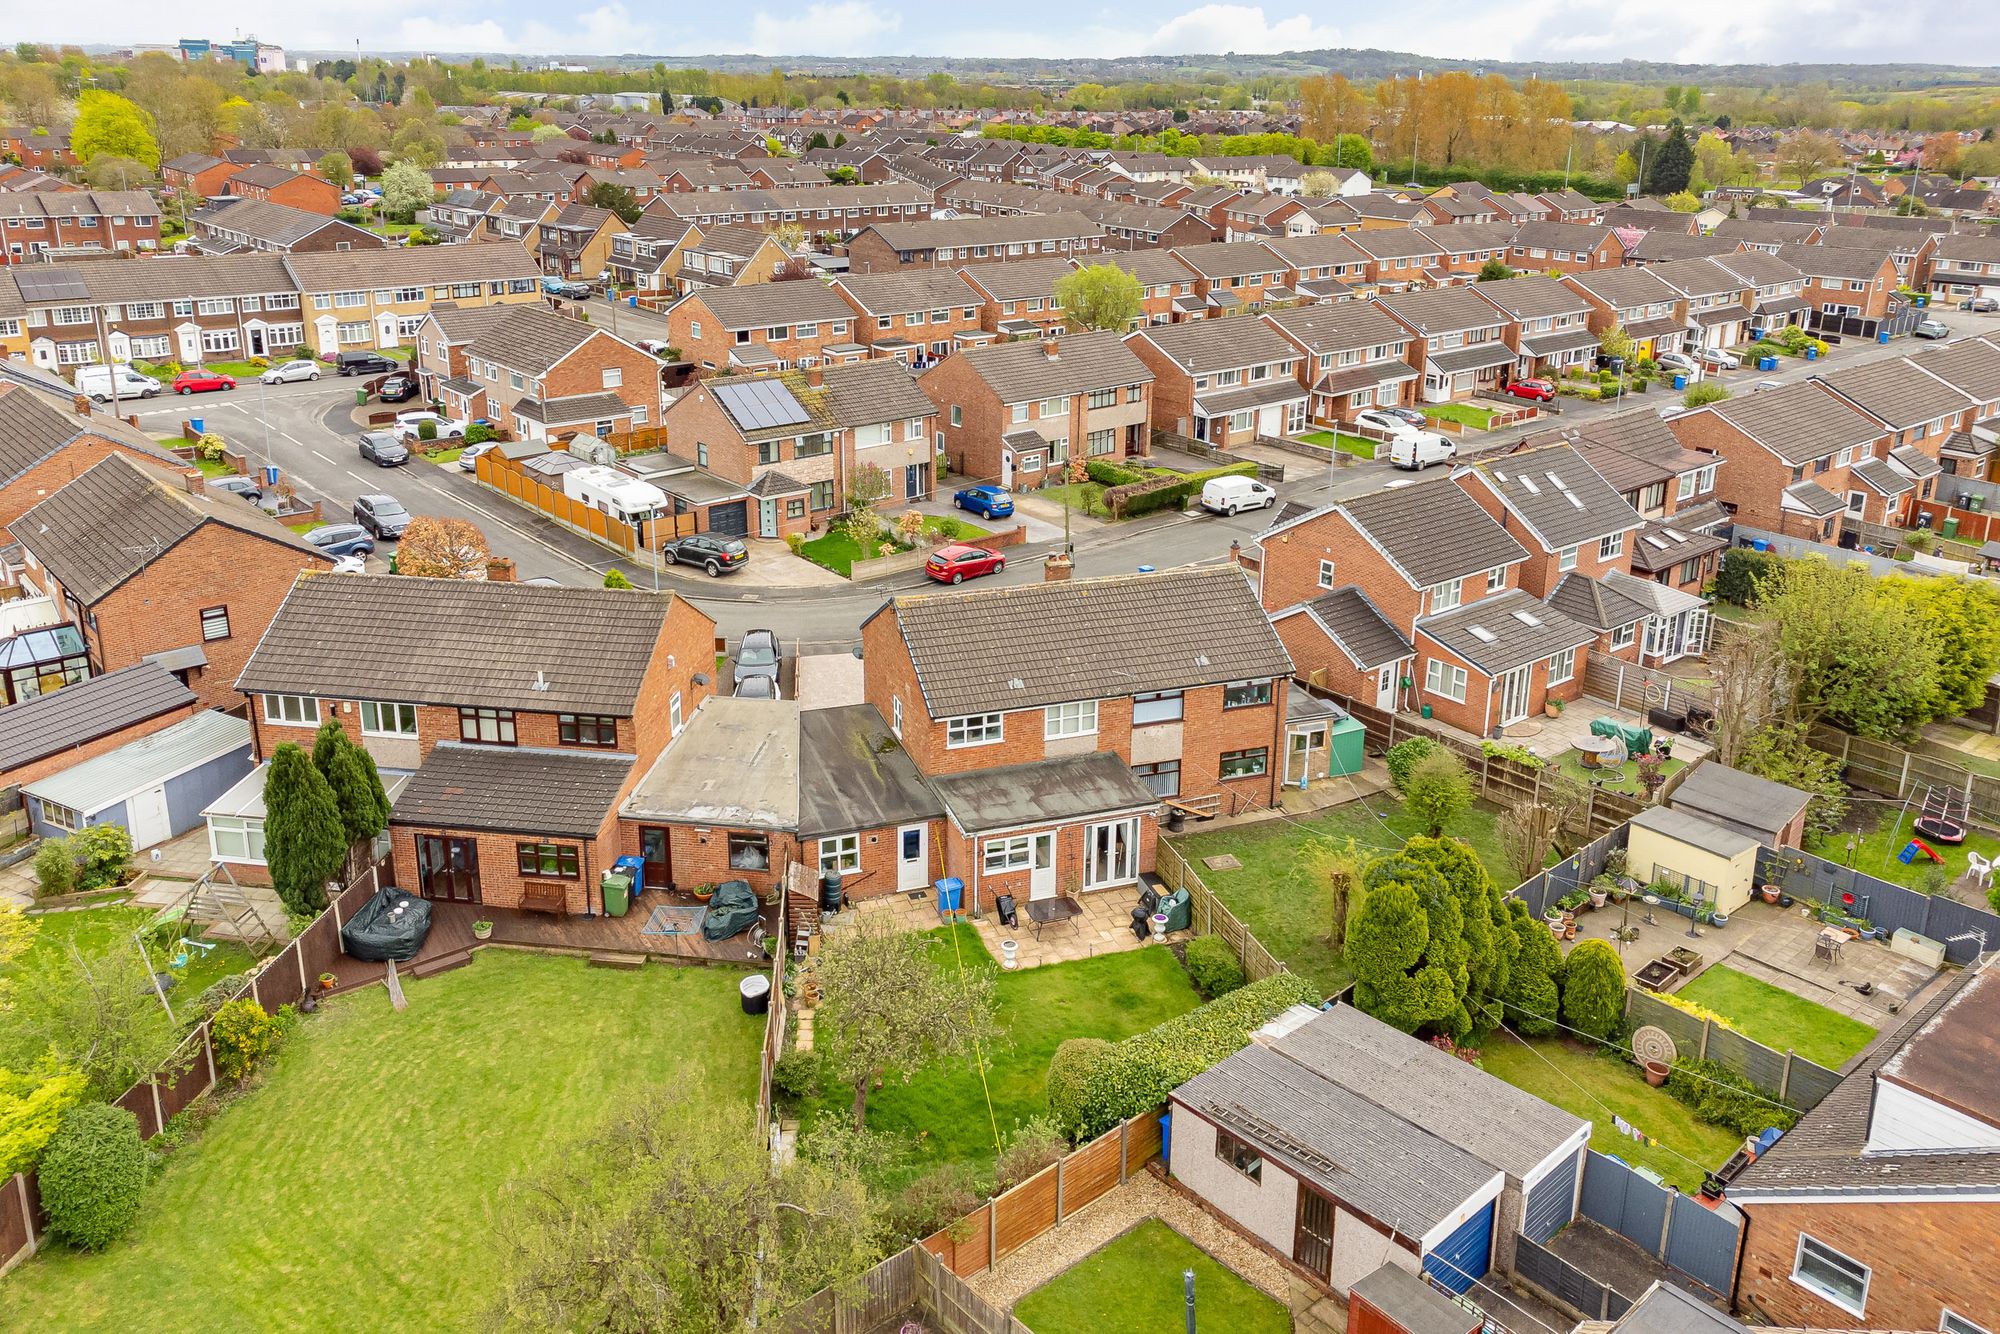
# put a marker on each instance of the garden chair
(1981, 868)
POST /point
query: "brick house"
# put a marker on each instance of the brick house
(1568, 519)
(1234, 277)
(252, 224)
(1018, 298)
(1844, 281)
(1777, 289)
(648, 254)
(520, 735)
(541, 374)
(281, 185)
(1930, 402)
(1325, 267)
(1470, 246)
(1880, 1208)
(377, 298)
(1648, 310)
(1672, 488)
(1400, 257)
(1052, 771)
(1461, 344)
(731, 256)
(1548, 324)
(518, 222)
(828, 213)
(1168, 296)
(1564, 248)
(45, 733)
(1718, 302)
(200, 174)
(89, 223)
(1971, 366)
(1222, 381)
(1912, 252)
(44, 448)
(147, 570)
(1018, 411)
(1965, 267)
(917, 316)
(576, 243)
(941, 243)
(765, 326)
(1355, 357)
(792, 440)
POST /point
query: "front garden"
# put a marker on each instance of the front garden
(1464, 414)
(1359, 446)
(840, 549)
(1134, 1285)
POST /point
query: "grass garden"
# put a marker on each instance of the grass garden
(1464, 414)
(100, 929)
(1133, 1286)
(1777, 1018)
(357, 1183)
(1876, 853)
(1359, 446)
(1624, 779)
(839, 552)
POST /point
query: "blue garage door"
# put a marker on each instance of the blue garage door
(1463, 1256)
(1552, 1200)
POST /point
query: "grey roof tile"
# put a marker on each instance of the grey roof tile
(1897, 392)
(1799, 422)
(63, 719)
(505, 789)
(1202, 346)
(1505, 630)
(1594, 603)
(1359, 628)
(1558, 495)
(1072, 364)
(1433, 531)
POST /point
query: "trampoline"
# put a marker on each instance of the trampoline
(1941, 818)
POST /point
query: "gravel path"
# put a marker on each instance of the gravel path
(1141, 1197)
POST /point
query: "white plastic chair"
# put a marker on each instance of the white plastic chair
(1982, 868)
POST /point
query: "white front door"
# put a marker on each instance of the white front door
(912, 858)
(1110, 853)
(1006, 467)
(146, 816)
(1385, 686)
(1042, 866)
(1514, 696)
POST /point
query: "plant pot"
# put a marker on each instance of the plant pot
(1159, 922)
(1008, 949)
(1770, 893)
(1552, 710)
(1599, 897)
(704, 893)
(481, 930)
(1718, 919)
(326, 981)
(1657, 1072)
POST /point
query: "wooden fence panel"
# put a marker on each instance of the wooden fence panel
(956, 1306)
(138, 1100)
(1142, 1141)
(969, 1252)
(1025, 1212)
(887, 1290)
(20, 1220)
(1090, 1172)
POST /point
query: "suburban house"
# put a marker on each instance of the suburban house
(916, 317)
(1019, 411)
(199, 174)
(1913, 252)
(1460, 343)
(43, 448)
(1844, 281)
(273, 184)
(1322, 267)
(764, 326)
(1569, 520)
(1401, 257)
(1168, 296)
(457, 214)
(1046, 793)
(1019, 296)
(1222, 381)
(951, 242)
(1550, 324)
(227, 227)
(59, 723)
(648, 254)
(76, 223)
(543, 375)
(1778, 290)
(731, 256)
(1718, 302)
(1564, 248)
(1637, 303)
(519, 736)
(1971, 366)
(147, 571)
(1964, 268)
(1356, 357)
(1878, 1210)
(576, 243)
(1235, 277)
(518, 222)
(829, 212)
(1671, 486)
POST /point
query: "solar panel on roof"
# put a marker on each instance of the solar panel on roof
(761, 403)
(51, 285)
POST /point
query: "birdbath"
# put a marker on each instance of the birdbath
(1159, 920)
(1008, 949)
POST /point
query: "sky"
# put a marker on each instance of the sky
(1694, 31)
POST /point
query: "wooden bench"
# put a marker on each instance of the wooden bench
(544, 896)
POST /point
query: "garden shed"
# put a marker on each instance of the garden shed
(1698, 855)
(1772, 813)
(156, 787)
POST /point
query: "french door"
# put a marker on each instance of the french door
(1111, 853)
(1514, 696)
(448, 868)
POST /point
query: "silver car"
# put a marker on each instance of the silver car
(291, 370)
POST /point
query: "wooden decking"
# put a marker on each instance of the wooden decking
(620, 939)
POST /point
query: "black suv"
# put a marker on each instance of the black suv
(717, 555)
(365, 363)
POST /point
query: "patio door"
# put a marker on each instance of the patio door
(1514, 696)
(1299, 754)
(653, 849)
(912, 857)
(1042, 866)
(1312, 1235)
(448, 868)
(1110, 853)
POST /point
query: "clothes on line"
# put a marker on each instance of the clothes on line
(1630, 1131)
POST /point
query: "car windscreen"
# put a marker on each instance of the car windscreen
(390, 509)
(755, 655)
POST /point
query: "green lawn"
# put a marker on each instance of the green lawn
(838, 552)
(213, 467)
(359, 1187)
(1287, 908)
(1359, 446)
(1611, 1084)
(1627, 780)
(1462, 413)
(1133, 1286)
(1777, 1018)
(1111, 996)
(1082, 497)
(241, 370)
(1876, 853)
(444, 456)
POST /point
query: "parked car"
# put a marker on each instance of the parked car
(202, 382)
(364, 363)
(988, 502)
(397, 389)
(758, 687)
(410, 425)
(1233, 495)
(655, 347)
(292, 370)
(341, 539)
(757, 656)
(714, 553)
(1677, 361)
(245, 488)
(1390, 423)
(1542, 391)
(1932, 329)
(1717, 359)
(384, 449)
(1983, 304)
(350, 565)
(1411, 415)
(1419, 450)
(957, 563)
(468, 458)
(98, 382)
(384, 516)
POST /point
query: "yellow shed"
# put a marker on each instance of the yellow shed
(1681, 845)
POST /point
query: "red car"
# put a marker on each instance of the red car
(201, 382)
(955, 564)
(1541, 390)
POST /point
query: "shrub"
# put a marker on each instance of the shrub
(1213, 966)
(1404, 756)
(1034, 1145)
(1106, 473)
(427, 430)
(1700, 395)
(616, 579)
(92, 1175)
(797, 543)
(216, 995)
(1721, 1097)
(1743, 570)
(479, 433)
(1174, 493)
(1593, 989)
(1093, 1084)
(1437, 791)
(102, 852)
(932, 1202)
(242, 1035)
(797, 1074)
(55, 868)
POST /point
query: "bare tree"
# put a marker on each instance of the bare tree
(1744, 663)
(1805, 155)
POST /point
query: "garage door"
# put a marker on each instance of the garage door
(1552, 1200)
(1462, 1257)
(731, 520)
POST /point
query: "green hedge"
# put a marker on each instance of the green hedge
(92, 1175)
(1214, 967)
(1176, 494)
(1403, 758)
(1094, 1084)
(1724, 1098)
(1106, 473)
(1742, 570)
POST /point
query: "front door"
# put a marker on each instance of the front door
(915, 477)
(448, 868)
(255, 333)
(1385, 686)
(1042, 867)
(767, 518)
(1514, 696)
(1006, 467)
(653, 849)
(147, 817)
(1110, 853)
(912, 857)
(1312, 1238)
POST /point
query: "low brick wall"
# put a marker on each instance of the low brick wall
(885, 567)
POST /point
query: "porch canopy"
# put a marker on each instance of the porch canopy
(1268, 394)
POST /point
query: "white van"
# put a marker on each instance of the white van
(1416, 452)
(1233, 495)
(96, 381)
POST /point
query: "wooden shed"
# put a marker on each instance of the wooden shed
(1695, 853)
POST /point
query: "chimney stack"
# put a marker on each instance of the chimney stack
(499, 570)
(1052, 348)
(815, 377)
(1056, 568)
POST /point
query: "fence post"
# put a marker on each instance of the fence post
(159, 1112)
(1705, 1026)
(1785, 1079)
(299, 958)
(992, 1234)
(1903, 781)
(1123, 1126)
(1062, 1165)
(1667, 1223)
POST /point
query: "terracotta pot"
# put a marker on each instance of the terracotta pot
(1770, 893)
(1657, 1072)
(326, 981)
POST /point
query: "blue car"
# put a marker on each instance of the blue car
(988, 502)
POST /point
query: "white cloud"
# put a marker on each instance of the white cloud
(1215, 28)
(844, 28)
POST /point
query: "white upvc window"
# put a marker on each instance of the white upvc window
(382, 719)
(674, 714)
(1623, 636)
(292, 710)
(896, 715)
(1446, 595)
(976, 729)
(841, 853)
(1951, 1322)
(1326, 574)
(1610, 548)
(1566, 559)
(1008, 854)
(1445, 680)
(1496, 578)
(1075, 718)
(1562, 667)
(233, 838)
(1819, 1268)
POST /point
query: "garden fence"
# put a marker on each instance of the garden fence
(912, 1282)
(1675, 1229)
(1790, 1078)
(1571, 873)
(1965, 931)
(1003, 1225)
(1209, 916)
(1884, 767)
(190, 1072)
(778, 1015)
(1587, 1297)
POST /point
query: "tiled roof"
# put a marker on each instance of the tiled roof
(1339, 326)
(1202, 346)
(1442, 310)
(1814, 499)
(1532, 296)
(456, 642)
(118, 517)
(1228, 259)
(1624, 288)
(1036, 644)
(1558, 495)
(399, 266)
(1505, 630)
(1665, 543)
(529, 338)
(599, 405)
(1019, 279)
(1472, 357)
(1154, 268)
(1698, 277)
(766, 305)
(507, 789)
(1359, 628)
(1844, 262)
(1761, 270)
(279, 224)
(1971, 365)
(1897, 392)
(1799, 422)
(910, 289)
(45, 725)
(1072, 364)
(1594, 603)
(975, 231)
(1433, 531)
(1321, 251)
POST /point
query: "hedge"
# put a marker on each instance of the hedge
(1106, 473)
(1721, 1097)
(1214, 967)
(1403, 758)
(92, 1175)
(1094, 1084)
(1170, 492)
(1742, 571)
